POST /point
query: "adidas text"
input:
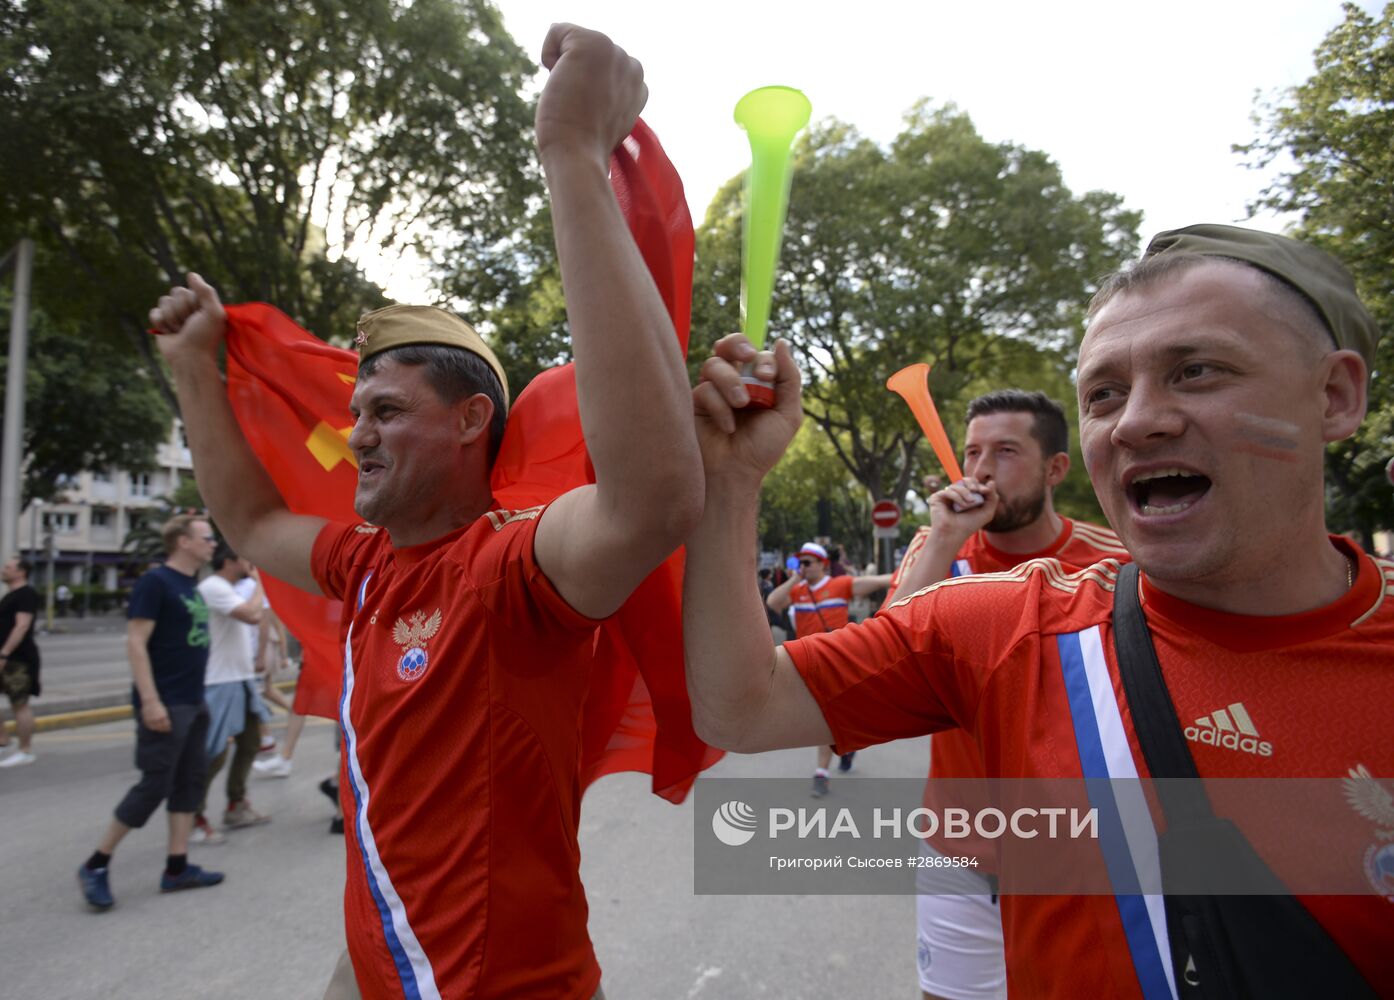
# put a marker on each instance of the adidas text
(1230, 741)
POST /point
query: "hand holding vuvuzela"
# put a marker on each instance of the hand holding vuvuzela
(739, 445)
(771, 117)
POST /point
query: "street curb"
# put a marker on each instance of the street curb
(97, 716)
(69, 720)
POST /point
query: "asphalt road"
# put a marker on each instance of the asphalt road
(273, 929)
(84, 669)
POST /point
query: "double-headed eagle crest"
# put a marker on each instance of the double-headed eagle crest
(412, 636)
(1371, 799)
(416, 630)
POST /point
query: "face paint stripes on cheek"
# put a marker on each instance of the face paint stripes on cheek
(1267, 437)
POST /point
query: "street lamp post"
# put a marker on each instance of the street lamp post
(21, 256)
(87, 585)
(34, 532)
(52, 543)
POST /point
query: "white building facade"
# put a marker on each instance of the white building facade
(85, 526)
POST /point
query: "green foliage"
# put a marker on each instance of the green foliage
(527, 323)
(944, 248)
(97, 600)
(144, 543)
(808, 473)
(1336, 131)
(144, 138)
(89, 405)
(185, 497)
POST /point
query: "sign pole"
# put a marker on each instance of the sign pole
(10, 455)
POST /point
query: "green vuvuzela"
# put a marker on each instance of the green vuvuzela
(771, 117)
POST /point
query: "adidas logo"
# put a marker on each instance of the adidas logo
(1230, 728)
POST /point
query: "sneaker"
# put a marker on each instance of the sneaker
(94, 888)
(820, 786)
(330, 788)
(844, 762)
(204, 833)
(240, 814)
(336, 825)
(18, 759)
(274, 766)
(192, 877)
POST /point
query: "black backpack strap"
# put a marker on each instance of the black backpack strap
(1222, 946)
(1154, 716)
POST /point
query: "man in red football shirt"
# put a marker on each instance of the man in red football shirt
(820, 603)
(468, 630)
(1016, 450)
(1211, 378)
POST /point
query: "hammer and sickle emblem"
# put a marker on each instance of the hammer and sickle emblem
(329, 445)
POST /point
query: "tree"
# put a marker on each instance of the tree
(89, 405)
(811, 471)
(527, 321)
(144, 542)
(184, 497)
(1337, 128)
(265, 145)
(944, 248)
(808, 474)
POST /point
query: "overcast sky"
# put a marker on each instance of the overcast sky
(1141, 99)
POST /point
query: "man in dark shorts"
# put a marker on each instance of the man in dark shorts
(167, 642)
(19, 658)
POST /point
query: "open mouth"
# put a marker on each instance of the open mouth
(1166, 491)
(368, 468)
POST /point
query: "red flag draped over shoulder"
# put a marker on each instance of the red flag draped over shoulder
(291, 391)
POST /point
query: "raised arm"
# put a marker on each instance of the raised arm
(955, 513)
(779, 599)
(863, 585)
(253, 609)
(597, 543)
(746, 696)
(249, 612)
(241, 497)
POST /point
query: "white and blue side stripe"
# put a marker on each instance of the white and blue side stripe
(960, 567)
(1126, 834)
(815, 606)
(831, 602)
(413, 967)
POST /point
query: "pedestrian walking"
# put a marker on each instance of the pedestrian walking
(235, 710)
(167, 643)
(19, 659)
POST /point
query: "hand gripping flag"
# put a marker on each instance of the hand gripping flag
(290, 392)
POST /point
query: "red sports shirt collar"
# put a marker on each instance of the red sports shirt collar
(1251, 633)
(1012, 558)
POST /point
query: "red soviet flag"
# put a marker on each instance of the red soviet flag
(291, 391)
